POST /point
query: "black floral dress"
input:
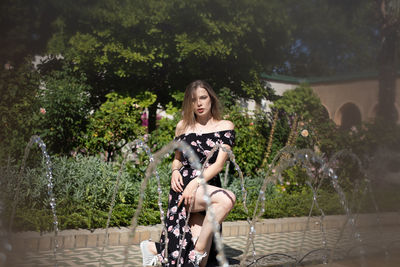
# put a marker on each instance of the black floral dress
(176, 216)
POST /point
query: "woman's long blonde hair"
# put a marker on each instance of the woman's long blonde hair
(188, 116)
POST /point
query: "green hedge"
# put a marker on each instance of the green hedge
(84, 186)
(83, 189)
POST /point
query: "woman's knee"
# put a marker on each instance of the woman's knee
(232, 199)
(228, 200)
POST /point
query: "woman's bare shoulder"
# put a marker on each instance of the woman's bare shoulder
(180, 128)
(225, 125)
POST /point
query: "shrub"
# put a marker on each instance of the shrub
(312, 118)
(288, 205)
(165, 131)
(83, 187)
(116, 123)
(279, 204)
(18, 107)
(64, 109)
(250, 144)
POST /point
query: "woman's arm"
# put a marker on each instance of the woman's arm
(208, 174)
(177, 162)
(176, 177)
(218, 165)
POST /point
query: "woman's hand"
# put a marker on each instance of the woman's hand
(188, 194)
(176, 181)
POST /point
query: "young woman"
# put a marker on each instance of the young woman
(201, 128)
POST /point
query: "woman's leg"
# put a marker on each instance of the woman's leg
(195, 223)
(152, 247)
(222, 202)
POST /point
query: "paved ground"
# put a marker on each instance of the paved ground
(278, 249)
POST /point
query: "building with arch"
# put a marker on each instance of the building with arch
(349, 100)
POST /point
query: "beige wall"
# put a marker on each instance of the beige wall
(363, 94)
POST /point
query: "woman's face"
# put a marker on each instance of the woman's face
(201, 102)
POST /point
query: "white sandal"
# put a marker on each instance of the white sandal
(149, 259)
(198, 257)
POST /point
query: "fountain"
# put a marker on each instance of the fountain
(49, 175)
(318, 168)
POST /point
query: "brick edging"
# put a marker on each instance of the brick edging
(34, 241)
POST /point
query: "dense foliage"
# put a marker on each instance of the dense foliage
(64, 110)
(314, 127)
(250, 144)
(84, 184)
(110, 61)
(115, 123)
(18, 109)
(84, 188)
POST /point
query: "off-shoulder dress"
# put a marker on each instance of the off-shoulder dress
(202, 145)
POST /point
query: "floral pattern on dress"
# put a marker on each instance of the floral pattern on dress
(202, 144)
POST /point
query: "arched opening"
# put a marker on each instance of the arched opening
(347, 116)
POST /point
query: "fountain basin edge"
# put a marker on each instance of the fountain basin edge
(82, 238)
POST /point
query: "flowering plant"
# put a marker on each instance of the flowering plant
(115, 123)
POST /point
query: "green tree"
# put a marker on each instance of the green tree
(25, 27)
(18, 108)
(160, 46)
